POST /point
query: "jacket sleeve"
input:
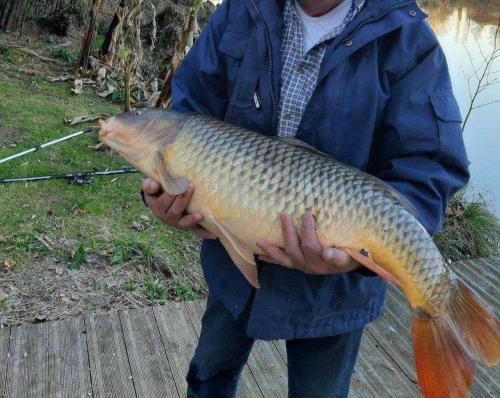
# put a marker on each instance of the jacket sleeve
(199, 85)
(420, 149)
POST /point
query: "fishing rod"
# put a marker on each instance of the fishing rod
(56, 141)
(73, 178)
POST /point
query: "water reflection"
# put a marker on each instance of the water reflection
(481, 12)
(469, 26)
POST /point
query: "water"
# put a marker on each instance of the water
(470, 26)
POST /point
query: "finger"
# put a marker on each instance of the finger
(291, 239)
(337, 258)
(275, 253)
(178, 207)
(311, 247)
(151, 187)
(190, 220)
(159, 205)
(268, 259)
(203, 233)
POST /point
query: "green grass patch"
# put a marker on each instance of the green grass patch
(72, 222)
(65, 54)
(154, 290)
(5, 305)
(471, 229)
(129, 286)
(8, 55)
(99, 40)
(78, 258)
(183, 291)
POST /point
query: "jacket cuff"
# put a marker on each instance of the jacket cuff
(362, 270)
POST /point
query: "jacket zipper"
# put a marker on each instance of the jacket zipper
(375, 19)
(274, 108)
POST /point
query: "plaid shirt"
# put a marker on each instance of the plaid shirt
(299, 73)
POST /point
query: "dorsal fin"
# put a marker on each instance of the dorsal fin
(301, 144)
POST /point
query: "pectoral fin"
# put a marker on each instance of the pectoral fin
(366, 261)
(241, 254)
(171, 185)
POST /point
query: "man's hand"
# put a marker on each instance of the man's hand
(172, 209)
(305, 252)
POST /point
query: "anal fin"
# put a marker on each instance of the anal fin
(241, 255)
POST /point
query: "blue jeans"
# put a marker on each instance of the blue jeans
(317, 368)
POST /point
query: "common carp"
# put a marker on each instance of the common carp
(244, 180)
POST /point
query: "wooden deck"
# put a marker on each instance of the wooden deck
(146, 352)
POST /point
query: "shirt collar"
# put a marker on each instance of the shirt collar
(357, 5)
(290, 13)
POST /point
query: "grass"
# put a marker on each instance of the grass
(154, 290)
(471, 230)
(72, 222)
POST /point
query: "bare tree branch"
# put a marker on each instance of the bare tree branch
(483, 75)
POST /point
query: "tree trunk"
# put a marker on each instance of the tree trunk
(88, 40)
(13, 14)
(6, 15)
(185, 41)
(106, 45)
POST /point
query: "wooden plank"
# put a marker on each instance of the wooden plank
(381, 376)
(268, 368)
(4, 359)
(179, 340)
(486, 267)
(27, 371)
(247, 386)
(109, 366)
(398, 314)
(491, 266)
(281, 347)
(394, 340)
(482, 285)
(148, 361)
(69, 373)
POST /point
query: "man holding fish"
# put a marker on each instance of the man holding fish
(362, 80)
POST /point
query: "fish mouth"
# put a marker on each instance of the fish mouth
(105, 130)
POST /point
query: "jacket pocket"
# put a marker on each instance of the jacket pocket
(446, 108)
(233, 44)
(449, 121)
(242, 82)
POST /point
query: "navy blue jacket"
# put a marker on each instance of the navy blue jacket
(383, 104)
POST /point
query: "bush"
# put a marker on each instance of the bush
(471, 229)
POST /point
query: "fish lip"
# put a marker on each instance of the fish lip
(104, 131)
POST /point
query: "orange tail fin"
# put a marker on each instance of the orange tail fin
(444, 368)
(445, 347)
(477, 326)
